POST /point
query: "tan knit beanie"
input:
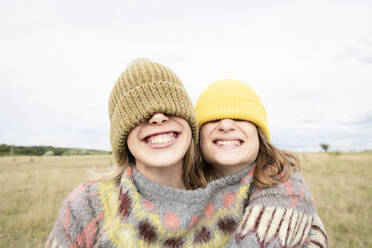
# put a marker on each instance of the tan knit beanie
(143, 89)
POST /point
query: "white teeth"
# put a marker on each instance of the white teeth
(228, 142)
(161, 138)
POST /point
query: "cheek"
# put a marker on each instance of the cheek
(188, 131)
(203, 146)
(206, 149)
(185, 127)
(257, 146)
(203, 139)
(250, 131)
(187, 140)
(206, 131)
(132, 140)
(251, 134)
(187, 134)
(254, 147)
(131, 145)
(254, 141)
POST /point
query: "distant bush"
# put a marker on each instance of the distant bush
(71, 152)
(5, 149)
(48, 153)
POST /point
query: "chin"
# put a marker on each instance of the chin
(162, 161)
(228, 161)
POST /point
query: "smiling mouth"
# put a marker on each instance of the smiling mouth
(228, 143)
(161, 139)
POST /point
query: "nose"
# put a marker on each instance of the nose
(226, 125)
(158, 118)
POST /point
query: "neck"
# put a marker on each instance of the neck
(170, 176)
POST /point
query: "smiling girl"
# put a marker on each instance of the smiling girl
(234, 135)
(153, 135)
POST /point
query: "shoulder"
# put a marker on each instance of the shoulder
(292, 193)
(84, 192)
(83, 203)
(79, 210)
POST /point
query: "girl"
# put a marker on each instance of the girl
(234, 135)
(146, 204)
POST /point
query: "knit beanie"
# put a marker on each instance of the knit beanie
(143, 89)
(231, 99)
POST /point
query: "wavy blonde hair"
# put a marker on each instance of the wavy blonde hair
(273, 165)
(192, 175)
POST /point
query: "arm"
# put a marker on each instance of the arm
(317, 237)
(280, 216)
(60, 235)
(76, 224)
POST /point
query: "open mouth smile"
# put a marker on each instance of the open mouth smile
(160, 140)
(228, 142)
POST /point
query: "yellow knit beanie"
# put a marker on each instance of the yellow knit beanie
(231, 99)
(143, 89)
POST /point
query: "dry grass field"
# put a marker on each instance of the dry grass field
(32, 189)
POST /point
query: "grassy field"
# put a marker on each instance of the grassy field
(32, 189)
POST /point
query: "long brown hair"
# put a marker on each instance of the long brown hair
(273, 165)
(192, 175)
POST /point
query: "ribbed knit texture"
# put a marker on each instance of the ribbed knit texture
(143, 89)
(231, 99)
(142, 213)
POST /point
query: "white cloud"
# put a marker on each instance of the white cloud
(307, 61)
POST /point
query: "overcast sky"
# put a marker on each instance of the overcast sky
(310, 61)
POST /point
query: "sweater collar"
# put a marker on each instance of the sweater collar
(151, 190)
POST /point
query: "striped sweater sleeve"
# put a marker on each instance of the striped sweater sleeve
(77, 223)
(317, 237)
(281, 216)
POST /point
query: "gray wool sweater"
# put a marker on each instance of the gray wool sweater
(140, 213)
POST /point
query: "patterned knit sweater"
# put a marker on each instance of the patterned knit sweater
(140, 213)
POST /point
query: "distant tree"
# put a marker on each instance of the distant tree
(324, 147)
